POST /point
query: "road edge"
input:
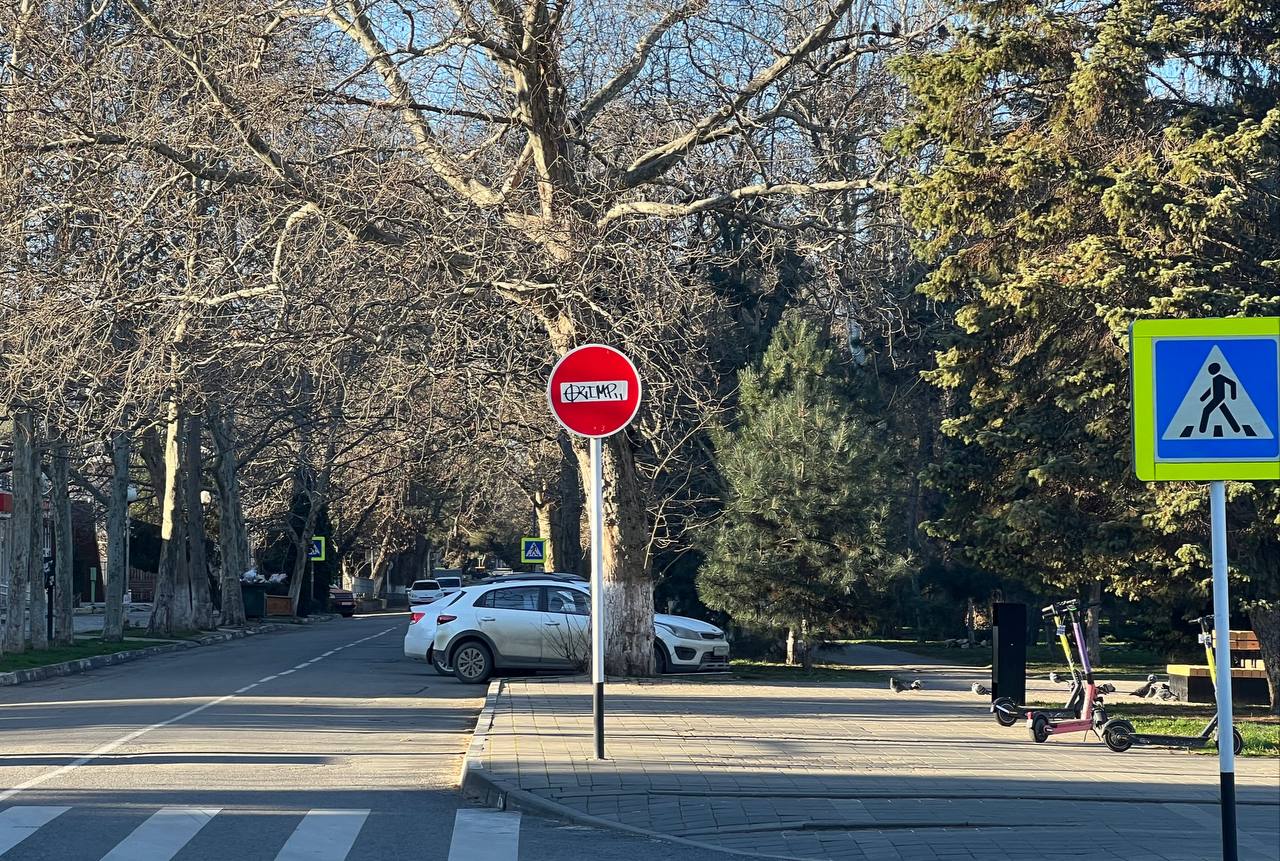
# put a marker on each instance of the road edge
(480, 784)
(84, 665)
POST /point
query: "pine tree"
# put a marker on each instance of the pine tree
(1085, 166)
(801, 543)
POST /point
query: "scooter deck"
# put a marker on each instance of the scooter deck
(1191, 742)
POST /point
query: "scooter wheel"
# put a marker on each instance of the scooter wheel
(1039, 728)
(1118, 735)
(1006, 714)
(1237, 741)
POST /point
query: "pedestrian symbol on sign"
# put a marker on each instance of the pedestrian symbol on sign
(533, 550)
(1217, 406)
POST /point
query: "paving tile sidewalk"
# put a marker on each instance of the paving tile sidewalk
(844, 772)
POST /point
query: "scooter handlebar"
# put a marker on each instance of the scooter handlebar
(1061, 607)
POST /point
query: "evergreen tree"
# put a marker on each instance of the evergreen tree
(1085, 165)
(802, 540)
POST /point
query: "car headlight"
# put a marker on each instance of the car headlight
(683, 633)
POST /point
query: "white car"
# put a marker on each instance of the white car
(542, 621)
(422, 629)
(424, 592)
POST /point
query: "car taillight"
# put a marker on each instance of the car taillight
(416, 618)
(443, 618)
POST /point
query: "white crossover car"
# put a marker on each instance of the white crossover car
(542, 621)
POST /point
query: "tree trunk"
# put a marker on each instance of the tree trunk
(969, 619)
(232, 541)
(172, 608)
(546, 511)
(806, 652)
(566, 528)
(38, 582)
(1265, 620)
(63, 617)
(201, 599)
(19, 573)
(628, 586)
(1093, 623)
(791, 647)
(117, 540)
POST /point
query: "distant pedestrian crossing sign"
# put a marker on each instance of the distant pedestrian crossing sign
(533, 551)
(1206, 399)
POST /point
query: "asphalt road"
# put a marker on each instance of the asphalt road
(321, 743)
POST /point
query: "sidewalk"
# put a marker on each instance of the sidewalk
(798, 770)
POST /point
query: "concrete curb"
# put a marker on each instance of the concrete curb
(482, 785)
(83, 665)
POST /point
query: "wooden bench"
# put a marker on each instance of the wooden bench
(1192, 684)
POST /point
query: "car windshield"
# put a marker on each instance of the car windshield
(426, 584)
(451, 582)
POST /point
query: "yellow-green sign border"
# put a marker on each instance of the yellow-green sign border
(527, 561)
(1142, 401)
(324, 549)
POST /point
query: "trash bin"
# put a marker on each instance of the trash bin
(255, 599)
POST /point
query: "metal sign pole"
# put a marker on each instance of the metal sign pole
(597, 593)
(1222, 653)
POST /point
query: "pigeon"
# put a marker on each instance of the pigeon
(980, 690)
(1145, 690)
(917, 685)
(895, 685)
(1107, 688)
(1057, 679)
(1164, 692)
(942, 31)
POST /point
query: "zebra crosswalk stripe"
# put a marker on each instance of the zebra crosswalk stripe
(485, 835)
(163, 835)
(19, 823)
(324, 835)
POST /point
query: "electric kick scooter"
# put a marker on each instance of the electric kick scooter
(1008, 712)
(1119, 734)
(1042, 724)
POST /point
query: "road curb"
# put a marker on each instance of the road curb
(481, 785)
(84, 665)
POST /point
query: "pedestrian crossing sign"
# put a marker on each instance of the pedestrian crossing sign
(1206, 399)
(533, 551)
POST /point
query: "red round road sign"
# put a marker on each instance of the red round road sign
(594, 390)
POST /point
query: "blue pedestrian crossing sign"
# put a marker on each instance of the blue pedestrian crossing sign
(1206, 399)
(533, 551)
(318, 551)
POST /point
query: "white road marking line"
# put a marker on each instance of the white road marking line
(485, 835)
(163, 835)
(137, 733)
(265, 679)
(19, 823)
(324, 835)
(287, 672)
(247, 688)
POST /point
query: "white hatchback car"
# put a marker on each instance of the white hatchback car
(424, 592)
(543, 622)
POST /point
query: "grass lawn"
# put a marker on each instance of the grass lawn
(82, 649)
(765, 670)
(1119, 660)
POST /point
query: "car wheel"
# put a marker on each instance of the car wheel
(443, 670)
(659, 661)
(472, 663)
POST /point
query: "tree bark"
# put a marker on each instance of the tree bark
(117, 540)
(1264, 617)
(566, 527)
(791, 647)
(19, 573)
(232, 541)
(172, 608)
(1093, 623)
(63, 598)
(628, 586)
(39, 606)
(201, 599)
